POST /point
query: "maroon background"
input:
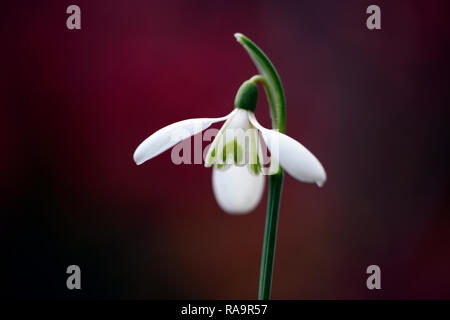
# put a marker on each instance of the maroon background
(372, 105)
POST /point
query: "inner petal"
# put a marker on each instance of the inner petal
(233, 149)
(237, 143)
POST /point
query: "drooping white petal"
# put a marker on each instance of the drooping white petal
(209, 158)
(170, 135)
(298, 161)
(237, 191)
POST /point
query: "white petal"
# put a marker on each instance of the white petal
(237, 191)
(208, 158)
(169, 136)
(298, 161)
(240, 120)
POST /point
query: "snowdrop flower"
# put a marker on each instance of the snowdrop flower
(238, 179)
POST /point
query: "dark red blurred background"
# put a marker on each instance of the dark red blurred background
(372, 105)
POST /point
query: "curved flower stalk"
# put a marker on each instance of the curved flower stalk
(236, 156)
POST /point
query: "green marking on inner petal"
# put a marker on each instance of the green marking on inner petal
(256, 167)
(232, 147)
(253, 147)
(211, 157)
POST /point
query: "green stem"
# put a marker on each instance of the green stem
(275, 95)
(270, 235)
